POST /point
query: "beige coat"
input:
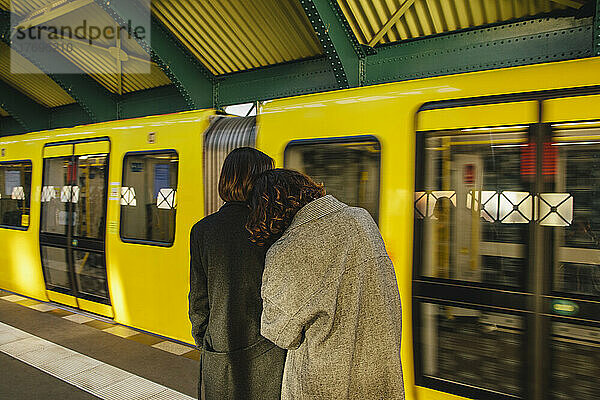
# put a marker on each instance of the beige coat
(330, 296)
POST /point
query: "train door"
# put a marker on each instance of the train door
(73, 223)
(475, 297)
(570, 218)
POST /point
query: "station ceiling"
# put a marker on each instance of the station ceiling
(223, 38)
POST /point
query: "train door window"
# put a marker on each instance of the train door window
(149, 197)
(56, 194)
(15, 194)
(574, 211)
(572, 214)
(348, 167)
(475, 206)
(481, 347)
(89, 207)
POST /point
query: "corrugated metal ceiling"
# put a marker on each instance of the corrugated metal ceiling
(28, 79)
(236, 35)
(384, 21)
(120, 65)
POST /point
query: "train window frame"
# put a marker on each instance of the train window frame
(23, 161)
(344, 139)
(146, 242)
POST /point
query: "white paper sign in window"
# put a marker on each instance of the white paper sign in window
(128, 196)
(486, 201)
(425, 201)
(515, 207)
(556, 209)
(65, 194)
(421, 204)
(74, 194)
(166, 199)
(69, 194)
(48, 193)
(17, 193)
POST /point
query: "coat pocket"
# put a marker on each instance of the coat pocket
(254, 372)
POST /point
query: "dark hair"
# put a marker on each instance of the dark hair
(239, 170)
(277, 196)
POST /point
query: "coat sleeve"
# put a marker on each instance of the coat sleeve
(198, 296)
(289, 311)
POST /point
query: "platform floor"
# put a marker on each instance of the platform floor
(47, 352)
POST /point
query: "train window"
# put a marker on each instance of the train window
(349, 168)
(474, 206)
(149, 197)
(15, 194)
(474, 347)
(574, 210)
(88, 209)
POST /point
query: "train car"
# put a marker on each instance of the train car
(96, 217)
(483, 184)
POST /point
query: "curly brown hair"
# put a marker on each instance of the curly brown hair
(275, 199)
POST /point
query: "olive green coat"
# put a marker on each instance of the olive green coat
(225, 308)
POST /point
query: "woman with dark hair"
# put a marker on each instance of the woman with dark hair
(225, 305)
(329, 292)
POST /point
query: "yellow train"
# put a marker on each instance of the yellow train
(486, 187)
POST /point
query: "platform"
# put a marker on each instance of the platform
(48, 352)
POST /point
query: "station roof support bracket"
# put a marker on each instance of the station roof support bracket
(190, 77)
(96, 101)
(340, 45)
(31, 115)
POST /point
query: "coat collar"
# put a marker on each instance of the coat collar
(316, 209)
(234, 203)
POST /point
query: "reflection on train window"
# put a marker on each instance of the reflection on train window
(475, 205)
(473, 347)
(149, 197)
(89, 196)
(90, 273)
(15, 194)
(348, 169)
(577, 215)
(575, 362)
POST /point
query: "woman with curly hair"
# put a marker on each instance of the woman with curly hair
(329, 292)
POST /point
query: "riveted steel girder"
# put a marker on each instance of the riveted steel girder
(31, 115)
(190, 77)
(96, 101)
(517, 43)
(308, 76)
(10, 126)
(339, 43)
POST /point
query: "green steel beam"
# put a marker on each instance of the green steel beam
(31, 115)
(596, 30)
(10, 126)
(95, 100)
(301, 77)
(338, 41)
(501, 46)
(190, 77)
(161, 100)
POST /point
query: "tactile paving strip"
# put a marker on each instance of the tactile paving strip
(104, 325)
(97, 378)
